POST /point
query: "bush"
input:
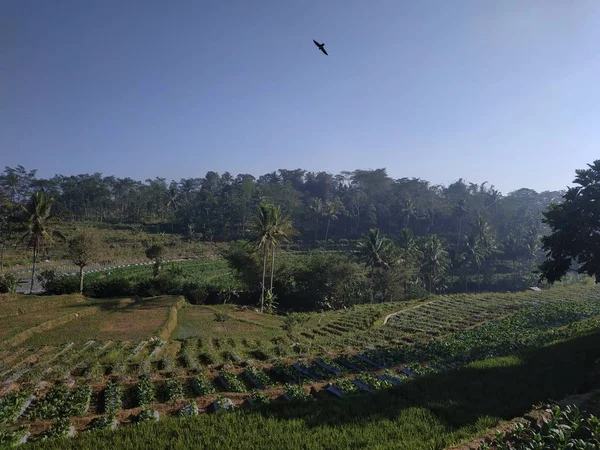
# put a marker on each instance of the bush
(245, 262)
(194, 293)
(8, 283)
(320, 281)
(64, 284)
(116, 286)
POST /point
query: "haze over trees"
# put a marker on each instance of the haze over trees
(411, 237)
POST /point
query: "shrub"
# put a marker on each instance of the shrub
(116, 286)
(59, 285)
(8, 283)
(221, 316)
(194, 293)
(320, 281)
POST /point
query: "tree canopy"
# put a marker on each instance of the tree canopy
(575, 229)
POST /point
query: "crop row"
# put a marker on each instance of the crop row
(373, 370)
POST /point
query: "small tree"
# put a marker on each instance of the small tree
(156, 253)
(84, 247)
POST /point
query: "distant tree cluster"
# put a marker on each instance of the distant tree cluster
(463, 233)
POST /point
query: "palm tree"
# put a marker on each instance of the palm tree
(38, 227)
(332, 209)
(262, 228)
(460, 210)
(271, 228)
(434, 261)
(409, 244)
(173, 200)
(316, 206)
(409, 210)
(375, 250)
(474, 254)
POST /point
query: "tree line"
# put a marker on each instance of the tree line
(468, 230)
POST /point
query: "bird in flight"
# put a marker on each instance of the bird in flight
(321, 46)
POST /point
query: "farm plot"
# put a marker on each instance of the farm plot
(452, 314)
(124, 320)
(344, 375)
(21, 313)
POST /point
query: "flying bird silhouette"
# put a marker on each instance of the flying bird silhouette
(321, 46)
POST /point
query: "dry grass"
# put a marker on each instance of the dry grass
(127, 321)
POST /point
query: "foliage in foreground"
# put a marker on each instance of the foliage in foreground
(432, 411)
(567, 428)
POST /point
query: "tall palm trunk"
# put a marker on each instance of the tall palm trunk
(33, 269)
(327, 230)
(272, 266)
(262, 295)
(81, 279)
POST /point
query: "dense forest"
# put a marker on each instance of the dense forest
(472, 228)
(322, 205)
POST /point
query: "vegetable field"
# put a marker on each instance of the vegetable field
(136, 360)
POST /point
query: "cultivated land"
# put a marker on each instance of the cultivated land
(419, 374)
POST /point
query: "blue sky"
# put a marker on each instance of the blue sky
(500, 91)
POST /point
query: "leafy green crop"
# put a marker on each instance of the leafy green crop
(258, 398)
(147, 415)
(60, 428)
(295, 392)
(566, 428)
(51, 406)
(103, 423)
(113, 402)
(190, 409)
(173, 389)
(79, 401)
(12, 404)
(200, 386)
(345, 386)
(373, 382)
(259, 376)
(232, 383)
(144, 391)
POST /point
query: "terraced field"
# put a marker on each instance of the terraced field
(114, 354)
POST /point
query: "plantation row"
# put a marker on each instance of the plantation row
(347, 332)
(340, 376)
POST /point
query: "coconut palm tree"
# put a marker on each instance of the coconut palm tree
(316, 206)
(434, 260)
(475, 254)
(375, 250)
(262, 228)
(173, 200)
(409, 209)
(332, 209)
(38, 226)
(271, 228)
(460, 210)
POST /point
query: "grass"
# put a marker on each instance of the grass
(129, 320)
(431, 412)
(19, 312)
